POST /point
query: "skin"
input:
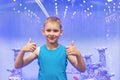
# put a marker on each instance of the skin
(52, 32)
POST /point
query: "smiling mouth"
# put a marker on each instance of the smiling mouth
(51, 38)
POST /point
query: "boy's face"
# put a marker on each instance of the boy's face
(52, 32)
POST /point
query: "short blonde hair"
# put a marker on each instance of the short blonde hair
(53, 19)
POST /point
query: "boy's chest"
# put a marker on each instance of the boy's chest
(53, 57)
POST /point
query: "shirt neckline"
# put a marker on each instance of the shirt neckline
(53, 49)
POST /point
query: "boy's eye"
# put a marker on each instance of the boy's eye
(56, 30)
(48, 30)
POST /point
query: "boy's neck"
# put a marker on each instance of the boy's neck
(52, 46)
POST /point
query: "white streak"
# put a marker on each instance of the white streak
(42, 7)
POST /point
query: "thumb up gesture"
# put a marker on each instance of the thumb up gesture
(29, 47)
(72, 50)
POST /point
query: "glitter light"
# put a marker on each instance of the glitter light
(88, 8)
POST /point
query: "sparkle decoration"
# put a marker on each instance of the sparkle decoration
(94, 71)
(112, 16)
(25, 8)
(66, 8)
(16, 74)
(110, 20)
(110, 9)
(103, 73)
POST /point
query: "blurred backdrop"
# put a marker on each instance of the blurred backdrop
(92, 24)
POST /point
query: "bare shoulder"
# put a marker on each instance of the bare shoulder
(33, 55)
(36, 52)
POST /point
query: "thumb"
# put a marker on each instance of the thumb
(30, 40)
(72, 43)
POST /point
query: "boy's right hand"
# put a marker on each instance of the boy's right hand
(29, 47)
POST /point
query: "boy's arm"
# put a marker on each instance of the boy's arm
(21, 60)
(75, 58)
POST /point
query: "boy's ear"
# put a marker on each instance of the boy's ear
(43, 31)
(61, 32)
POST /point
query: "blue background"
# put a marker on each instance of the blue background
(90, 23)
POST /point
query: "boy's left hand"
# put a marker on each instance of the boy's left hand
(72, 50)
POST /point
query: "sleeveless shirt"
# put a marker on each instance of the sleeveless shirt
(52, 63)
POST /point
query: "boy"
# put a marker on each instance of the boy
(52, 57)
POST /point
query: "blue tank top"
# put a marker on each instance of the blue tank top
(52, 63)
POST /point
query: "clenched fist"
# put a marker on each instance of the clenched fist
(72, 50)
(29, 47)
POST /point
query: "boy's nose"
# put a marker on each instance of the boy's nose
(51, 33)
